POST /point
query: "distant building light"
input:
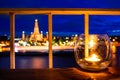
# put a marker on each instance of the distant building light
(17, 39)
(24, 43)
(67, 37)
(76, 35)
(16, 49)
(54, 37)
(16, 44)
(36, 20)
(23, 32)
(41, 32)
(113, 39)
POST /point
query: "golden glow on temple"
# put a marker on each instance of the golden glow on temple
(36, 35)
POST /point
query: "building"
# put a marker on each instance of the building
(36, 35)
(23, 35)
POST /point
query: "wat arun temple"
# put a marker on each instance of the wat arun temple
(36, 35)
(35, 38)
(36, 41)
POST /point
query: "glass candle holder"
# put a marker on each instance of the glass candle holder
(99, 54)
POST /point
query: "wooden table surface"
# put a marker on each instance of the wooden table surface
(112, 73)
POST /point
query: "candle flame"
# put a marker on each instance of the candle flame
(93, 58)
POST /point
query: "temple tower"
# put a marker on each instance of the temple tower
(23, 35)
(36, 35)
(47, 35)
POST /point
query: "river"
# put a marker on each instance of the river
(38, 60)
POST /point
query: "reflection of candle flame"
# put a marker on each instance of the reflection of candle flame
(91, 43)
(92, 40)
(93, 58)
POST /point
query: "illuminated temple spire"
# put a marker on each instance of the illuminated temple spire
(36, 27)
(36, 35)
(23, 35)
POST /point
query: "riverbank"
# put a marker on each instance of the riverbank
(37, 48)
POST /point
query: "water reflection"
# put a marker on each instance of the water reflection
(4, 62)
(31, 62)
(60, 60)
(39, 62)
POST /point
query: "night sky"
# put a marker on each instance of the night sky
(66, 25)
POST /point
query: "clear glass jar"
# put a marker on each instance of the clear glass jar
(99, 54)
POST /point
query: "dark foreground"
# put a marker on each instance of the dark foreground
(65, 68)
(111, 73)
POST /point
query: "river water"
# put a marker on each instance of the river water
(38, 60)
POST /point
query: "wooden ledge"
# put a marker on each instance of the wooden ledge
(59, 74)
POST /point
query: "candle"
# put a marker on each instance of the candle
(93, 58)
(93, 53)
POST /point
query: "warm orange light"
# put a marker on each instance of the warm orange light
(113, 49)
(91, 43)
(0, 49)
(93, 58)
(93, 40)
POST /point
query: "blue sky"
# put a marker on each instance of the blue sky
(74, 24)
(59, 3)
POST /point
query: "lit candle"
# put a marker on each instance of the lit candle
(93, 58)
